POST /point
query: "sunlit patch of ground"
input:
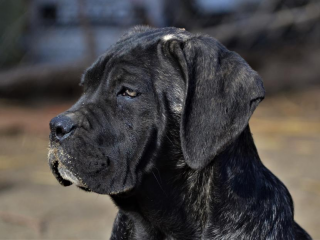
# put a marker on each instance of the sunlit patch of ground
(286, 129)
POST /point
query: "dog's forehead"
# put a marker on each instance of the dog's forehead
(142, 40)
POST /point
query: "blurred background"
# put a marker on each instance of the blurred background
(45, 45)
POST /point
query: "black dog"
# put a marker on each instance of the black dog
(162, 127)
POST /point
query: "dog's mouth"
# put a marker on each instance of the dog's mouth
(58, 176)
(65, 177)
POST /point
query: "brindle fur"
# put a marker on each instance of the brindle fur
(178, 159)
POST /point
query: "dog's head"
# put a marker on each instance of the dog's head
(156, 96)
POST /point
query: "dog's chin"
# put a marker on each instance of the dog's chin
(56, 173)
(68, 175)
(84, 189)
(125, 193)
(65, 177)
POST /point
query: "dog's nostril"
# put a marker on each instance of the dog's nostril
(61, 126)
(60, 132)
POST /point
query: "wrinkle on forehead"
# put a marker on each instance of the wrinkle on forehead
(96, 70)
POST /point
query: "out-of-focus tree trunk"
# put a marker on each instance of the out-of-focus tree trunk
(12, 23)
(42, 81)
(266, 22)
(87, 31)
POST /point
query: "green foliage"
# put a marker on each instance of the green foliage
(12, 25)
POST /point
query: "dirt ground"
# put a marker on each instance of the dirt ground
(286, 129)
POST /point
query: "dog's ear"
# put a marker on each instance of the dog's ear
(222, 91)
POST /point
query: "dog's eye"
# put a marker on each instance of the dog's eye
(128, 92)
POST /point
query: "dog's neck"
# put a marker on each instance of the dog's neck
(194, 199)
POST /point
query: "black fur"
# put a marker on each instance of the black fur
(177, 158)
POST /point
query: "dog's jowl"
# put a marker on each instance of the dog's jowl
(162, 127)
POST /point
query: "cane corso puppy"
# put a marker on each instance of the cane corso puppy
(162, 127)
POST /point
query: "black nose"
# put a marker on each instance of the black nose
(61, 127)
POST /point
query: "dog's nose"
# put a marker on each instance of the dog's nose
(61, 127)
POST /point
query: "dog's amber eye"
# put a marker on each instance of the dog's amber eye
(130, 93)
